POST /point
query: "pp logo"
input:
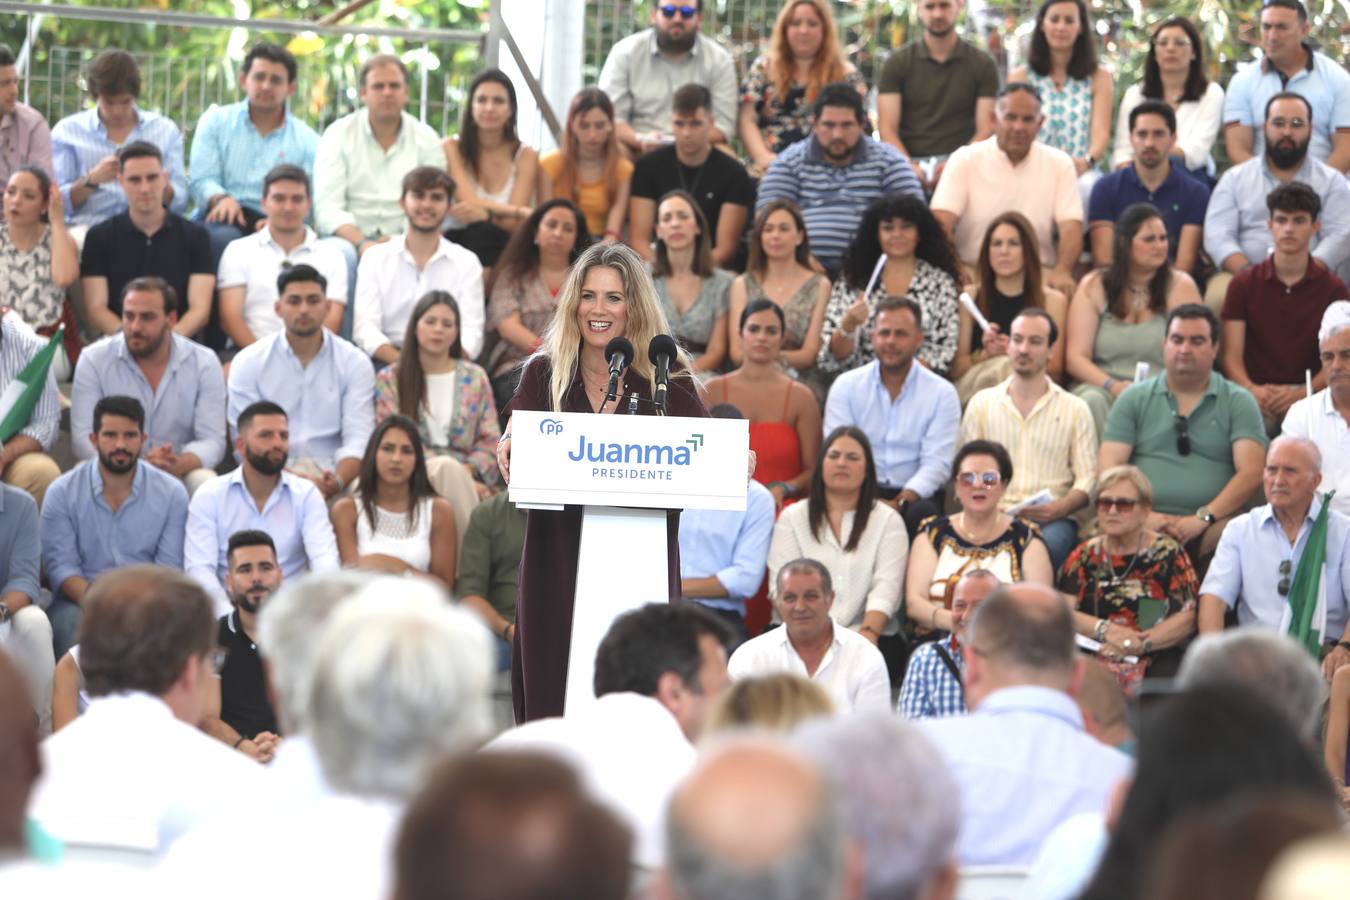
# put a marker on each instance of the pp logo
(550, 426)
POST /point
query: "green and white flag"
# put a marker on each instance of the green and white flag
(1305, 616)
(22, 394)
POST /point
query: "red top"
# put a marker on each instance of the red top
(1282, 321)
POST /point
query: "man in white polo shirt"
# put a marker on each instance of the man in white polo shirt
(394, 275)
(250, 265)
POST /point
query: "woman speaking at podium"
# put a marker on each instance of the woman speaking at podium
(607, 294)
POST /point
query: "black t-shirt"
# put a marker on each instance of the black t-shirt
(719, 180)
(117, 250)
(243, 688)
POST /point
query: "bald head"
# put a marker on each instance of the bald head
(1022, 634)
(969, 592)
(1102, 702)
(20, 763)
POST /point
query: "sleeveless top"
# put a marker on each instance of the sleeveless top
(956, 556)
(1120, 345)
(1002, 310)
(796, 311)
(395, 536)
(1068, 113)
(26, 281)
(501, 196)
(693, 328)
(778, 450)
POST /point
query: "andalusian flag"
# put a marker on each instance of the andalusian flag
(1305, 617)
(23, 393)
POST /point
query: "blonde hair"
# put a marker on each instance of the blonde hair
(561, 340)
(826, 68)
(1133, 476)
(777, 703)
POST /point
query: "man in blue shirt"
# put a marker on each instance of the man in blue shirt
(911, 416)
(107, 513)
(1151, 178)
(235, 146)
(25, 632)
(932, 686)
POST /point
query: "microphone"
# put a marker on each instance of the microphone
(618, 353)
(662, 352)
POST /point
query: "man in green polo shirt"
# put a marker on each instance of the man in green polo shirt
(1196, 435)
(488, 580)
(936, 93)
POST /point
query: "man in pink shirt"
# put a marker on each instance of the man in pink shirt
(24, 136)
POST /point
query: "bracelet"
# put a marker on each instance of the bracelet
(238, 742)
(787, 488)
(1110, 382)
(1147, 647)
(1100, 631)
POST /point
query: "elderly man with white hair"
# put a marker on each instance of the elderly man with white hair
(1324, 418)
(1285, 566)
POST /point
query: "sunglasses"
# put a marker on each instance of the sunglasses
(1104, 504)
(686, 12)
(1283, 586)
(1183, 434)
(988, 479)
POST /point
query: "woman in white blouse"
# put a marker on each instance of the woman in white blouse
(1174, 73)
(844, 525)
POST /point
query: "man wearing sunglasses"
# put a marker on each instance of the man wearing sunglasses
(1258, 568)
(644, 70)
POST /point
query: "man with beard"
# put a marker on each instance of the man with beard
(259, 496)
(833, 175)
(113, 511)
(177, 381)
(324, 384)
(238, 710)
(394, 275)
(932, 686)
(1151, 178)
(643, 70)
(1236, 234)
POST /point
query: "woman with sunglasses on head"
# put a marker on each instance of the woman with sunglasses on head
(978, 537)
(1135, 588)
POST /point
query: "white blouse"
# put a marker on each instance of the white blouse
(1198, 124)
(869, 578)
(394, 535)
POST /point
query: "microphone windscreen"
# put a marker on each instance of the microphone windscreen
(619, 346)
(662, 345)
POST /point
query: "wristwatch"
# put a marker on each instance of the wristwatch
(1206, 515)
(84, 182)
(4, 613)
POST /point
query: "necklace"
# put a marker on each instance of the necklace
(1140, 296)
(970, 535)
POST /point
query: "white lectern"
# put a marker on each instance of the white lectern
(626, 472)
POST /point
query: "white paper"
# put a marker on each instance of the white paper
(1092, 646)
(876, 273)
(974, 309)
(1140, 371)
(1037, 499)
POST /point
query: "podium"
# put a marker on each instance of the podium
(625, 472)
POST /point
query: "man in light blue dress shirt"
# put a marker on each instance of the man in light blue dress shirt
(85, 144)
(911, 416)
(1023, 757)
(324, 383)
(235, 146)
(117, 510)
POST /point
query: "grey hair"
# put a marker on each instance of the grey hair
(1303, 442)
(1335, 319)
(288, 627)
(907, 825)
(401, 679)
(1268, 663)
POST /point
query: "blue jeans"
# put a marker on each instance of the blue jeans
(1060, 537)
(65, 615)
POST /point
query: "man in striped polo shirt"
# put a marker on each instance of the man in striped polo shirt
(834, 174)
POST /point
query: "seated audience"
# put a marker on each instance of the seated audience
(1151, 175)
(1007, 281)
(1322, 418)
(523, 287)
(238, 709)
(1195, 436)
(1174, 74)
(920, 264)
(145, 239)
(658, 670)
(1261, 570)
(641, 70)
(1047, 431)
(1237, 235)
(392, 277)
(548, 837)
(785, 436)
(855, 535)
(980, 536)
(27, 138)
(25, 631)
(835, 173)
(85, 145)
(393, 522)
(936, 93)
(1134, 587)
(106, 513)
(779, 270)
(487, 578)
(260, 495)
(323, 383)
(177, 382)
(1288, 63)
(588, 168)
(911, 415)
(773, 704)
(250, 266)
(1117, 317)
(1274, 308)
(1022, 757)
(691, 290)
(932, 687)
(32, 422)
(38, 260)
(716, 181)
(147, 646)
(493, 171)
(1012, 171)
(812, 644)
(234, 147)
